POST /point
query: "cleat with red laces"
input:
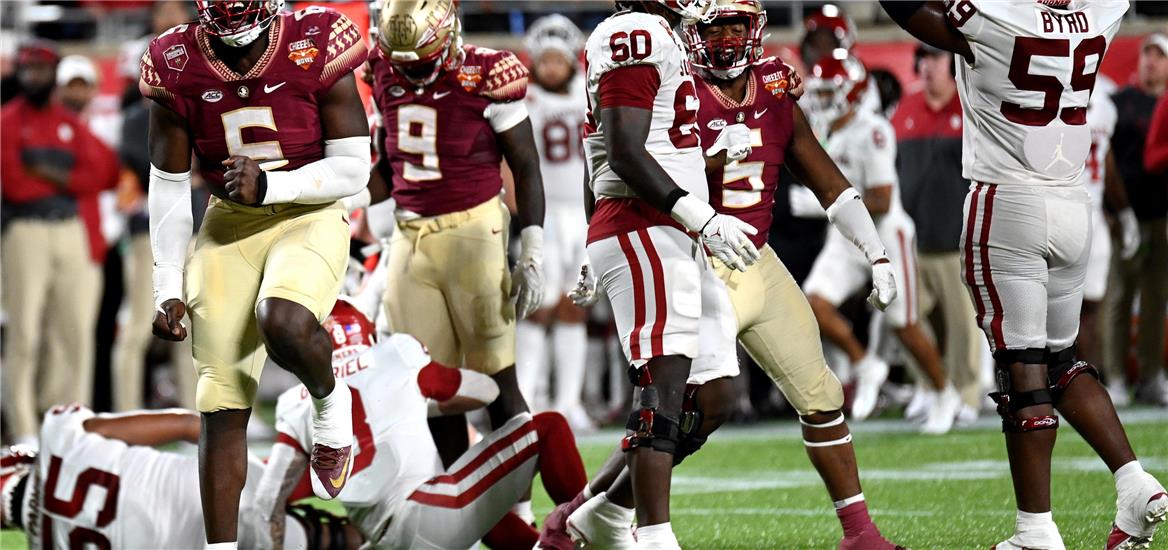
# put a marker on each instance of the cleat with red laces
(554, 534)
(330, 470)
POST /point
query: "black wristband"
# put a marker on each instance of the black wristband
(261, 188)
(672, 198)
(901, 10)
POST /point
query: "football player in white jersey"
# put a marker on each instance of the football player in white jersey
(863, 145)
(148, 498)
(646, 172)
(399, 495)
(1026, 74)
(1104, 186)
(556, 105)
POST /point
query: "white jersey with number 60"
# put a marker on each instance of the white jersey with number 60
(629, 39)
(1025, 95)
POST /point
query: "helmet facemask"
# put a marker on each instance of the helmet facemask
(237, 23)
(734, 42)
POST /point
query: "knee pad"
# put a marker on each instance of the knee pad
(1062, 368)
(689, 425)
(1028, 356)
(652, 430)
(1010, 402)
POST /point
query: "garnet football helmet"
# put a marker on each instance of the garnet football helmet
(420, 39)
(728, 57)
(832, 18)
(237, 22)
(835, 84)
(350, 332)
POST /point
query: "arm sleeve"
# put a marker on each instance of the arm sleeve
(630, 86)
(1156, 148)
(853, 221)
(171, 223)
(343, 172)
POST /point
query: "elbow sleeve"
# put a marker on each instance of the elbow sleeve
(171, 224)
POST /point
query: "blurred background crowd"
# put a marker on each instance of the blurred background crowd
(76, 260)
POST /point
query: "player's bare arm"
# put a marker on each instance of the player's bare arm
(811, 164)
(342, 117)
(170, 159)
(626, 131)
(518, 147)
(878, 199)
(381, 177)
(147, 428)
(929, 23)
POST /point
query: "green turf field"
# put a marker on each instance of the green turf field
(753, 488)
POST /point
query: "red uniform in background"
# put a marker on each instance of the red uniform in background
(1156, 148)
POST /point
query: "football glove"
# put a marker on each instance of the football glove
(527, 277)
(1129, 228)
(726, 237)
(883, 284)
(586, 293)
(735, 140)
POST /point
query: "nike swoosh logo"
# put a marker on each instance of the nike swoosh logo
(440, 95)
(496, 231)
(270, 89)
(760, 113)
(340, 481)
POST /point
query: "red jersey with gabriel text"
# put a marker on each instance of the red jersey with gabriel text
(746, 188)
(272, 113)
(440, 139)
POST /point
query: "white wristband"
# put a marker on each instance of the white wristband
(531, 243)
(692, 213)
(849, 215)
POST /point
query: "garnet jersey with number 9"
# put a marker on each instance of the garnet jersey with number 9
(272, 113)
(1025, 96)
(440, 139)
(629, 39)
(746, 188)
(394, 452)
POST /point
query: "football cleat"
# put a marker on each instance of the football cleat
(1045, 537)
(330, 470)
(600, 524)
(871, 373)
(554, 534)
(870, 539)
(943, 412)
(1138, 512)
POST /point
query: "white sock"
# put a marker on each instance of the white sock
(614, 513)
(333, 422)
(531, 365)
(569, 341)
(841, 504)
(523, 510)
(221, 546)
(1038, 530)
(1128, 472)
(660, 534)
(1028, 521)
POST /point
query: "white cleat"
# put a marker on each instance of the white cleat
(1042, 538)
(871, 372)
(946, 406)
(1139, 509)
(601, 524)
(917, 409)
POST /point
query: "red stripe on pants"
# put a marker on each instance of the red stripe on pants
(657, 335)
(475, 491)
(638, 295)
(995, 300)
(492, 450)
(970, 222)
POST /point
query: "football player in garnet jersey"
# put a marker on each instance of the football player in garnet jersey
(247, 86)
(451, 113)
(147, 498)
(738, 88)
(1025, 75)
(400, 495)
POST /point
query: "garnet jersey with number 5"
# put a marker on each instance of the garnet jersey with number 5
(629, 39)
(1025, 96)
(440, 139)
(272, 113)
(394, 452)
(746, 188)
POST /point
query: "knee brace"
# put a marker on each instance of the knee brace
(649, 429)
(829, 424)
(1062, 368)
(689, 425)
(1010, 402)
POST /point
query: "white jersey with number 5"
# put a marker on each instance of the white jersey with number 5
(394, 452)
(633, 38)
(1025, 95)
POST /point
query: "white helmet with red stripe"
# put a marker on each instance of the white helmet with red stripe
(833, 19)
(237, 22)
(835, 84)
(16, 464)
(727, 57)
(350, 332)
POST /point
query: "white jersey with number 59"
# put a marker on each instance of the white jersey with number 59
(640, 39)
(1025, 96)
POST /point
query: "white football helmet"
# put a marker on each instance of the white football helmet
(553, 32)
(835, 84)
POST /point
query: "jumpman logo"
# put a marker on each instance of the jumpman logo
(1058, 154)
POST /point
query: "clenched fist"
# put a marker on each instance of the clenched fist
(244, 181)
(168, 323)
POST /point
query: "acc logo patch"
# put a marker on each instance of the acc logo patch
(303, 53)
(470, 76)
(716, 124)
(176, 57)
(212, 96)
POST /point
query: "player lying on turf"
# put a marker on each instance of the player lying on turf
(745, 98)
(1025, 74)
(250, 85)
(97, 481)
(399, 495)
